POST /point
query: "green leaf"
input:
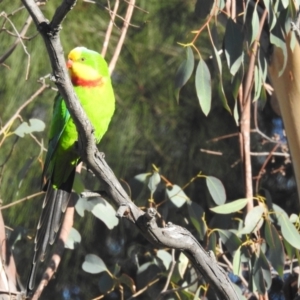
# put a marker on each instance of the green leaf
(105, 283)
(216, 189)
(74, 238)
(196, 297)
(290, 250)
(154, 180)
(285, 3)
(294, 218)
(142, 177)
(269, 235)
(35, 125)
(104, 212)
(177, 195)
(196, 215)
(182, 264)
(257, 83)
(257, 275)
(276, 252)
(289, 231)
(82, 204)
(93, 264)
(203, 86)
(253, 220)
(254, 25)
(212, 242)
(128, 281)
(236, 82)
(230, 240)
(263, 65)
(279, 211)
(238, 291)
(237, 262)
(144, 267)
(184, 71)
(203, 8)
(265, 267)
(236, 115)
(166, 258)
(218, 66)
(230, 207)
(233, 41)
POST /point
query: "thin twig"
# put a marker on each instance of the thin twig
(17, 113)
(245, 117)
(21, 200)
(211, 152)
(261, 171)
(16, 42)
(128, 16)
(27, 24)
(145, 288)
(172, 266)
(268, 153)
(109, 28)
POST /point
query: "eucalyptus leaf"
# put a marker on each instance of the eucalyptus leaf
(82, 204)
(154, 180)
(74, 238)
(35, 125)
(105, 212)
(196, 214)
(93, 264)
(230, 207)
(128, 281)
(216, 189)
(203, 86)
(176, 195)
(253, 220)
(237, 262)
(289, 231)
(184, 71)
(166, 258)
(105, 283)
(233, 42)
(182, 264)
(142, 177)
(230, 240)
(254, 26)
(276, 252)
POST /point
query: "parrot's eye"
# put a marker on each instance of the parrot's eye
(82, 59)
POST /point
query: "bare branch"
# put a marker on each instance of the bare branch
(19, 39)
(110, 28)
(123, 35)
(17, 113)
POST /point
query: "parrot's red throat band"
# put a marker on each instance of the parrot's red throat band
(87, 82)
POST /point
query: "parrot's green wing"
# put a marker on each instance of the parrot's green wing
(59, 121)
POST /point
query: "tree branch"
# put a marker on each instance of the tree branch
(170, 236)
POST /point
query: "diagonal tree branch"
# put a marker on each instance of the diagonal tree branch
(170, 236)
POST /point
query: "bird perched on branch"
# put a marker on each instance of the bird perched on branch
(91, 80)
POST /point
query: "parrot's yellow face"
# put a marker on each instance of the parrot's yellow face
(82, 69)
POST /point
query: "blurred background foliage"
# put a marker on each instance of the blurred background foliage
(149, 127)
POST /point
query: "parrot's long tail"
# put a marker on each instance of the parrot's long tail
(54, 206)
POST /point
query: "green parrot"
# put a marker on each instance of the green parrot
(91, 80)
